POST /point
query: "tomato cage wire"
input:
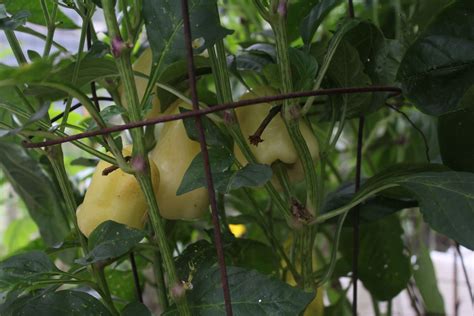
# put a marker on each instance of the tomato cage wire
(197, 113)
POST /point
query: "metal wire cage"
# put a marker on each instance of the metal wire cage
(197, 114)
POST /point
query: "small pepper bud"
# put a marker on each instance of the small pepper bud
(138, 164)
(178, 291)
(118, 45)
(283, 8)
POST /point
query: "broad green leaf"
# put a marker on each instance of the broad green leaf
(427, 282)
(111, 240)
(66, 302)
(220, 160)
(437, 70)
(371, 210)
(296, 10)
(252, 294)
(384, 268)
(24, 267)
(311, 22)
(14, 21)
(456, 143)
(252, 175)
(304, 68)
(347, 70)
(214, 135)
(36, 14)
(446, 198)
(91, 69)
(135, 309)
(164, 25)
(37, 190)
(175, 75)
(239, 252)
(252, 61)
(18, 234)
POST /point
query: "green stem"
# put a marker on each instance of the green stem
(268, 231)
(15, 46)
(21, 113)
(221, 77)
(75, 74)
(55, 156)
(86, 102)
(160, 281)
(124, 66)
(291, 112)
(51, 25)
(347, 207)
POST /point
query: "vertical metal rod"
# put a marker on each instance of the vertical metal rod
(356, 238)
(136, 279)
(455, 284)
(356, 233)
(205, 155)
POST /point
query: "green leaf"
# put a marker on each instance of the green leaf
(437, 69)
(91, 69)
(371, 210)
(11, 23)
(296, 10)
(176, 75)
(37, 190)
(214, 135)
(36, 13)
(347, 70)
(311, 22)
(304, 68)
(252, 175)
(164, 25)
(24, 267)
(135, 309)
(456, 143)
(252, 294)
(384, 268)
(67, 302)
(19, 233)
(220, 160)
(427, 282)
(445, 197)
(111, 240)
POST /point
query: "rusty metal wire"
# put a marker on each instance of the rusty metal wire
(220, 107)
(205, 155)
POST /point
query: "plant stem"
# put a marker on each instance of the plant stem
(50, 21)
(126, 74)
(291, 110)
(55, 156)
(160, 280)
(85, 24)
(15, 46)
(221, 78)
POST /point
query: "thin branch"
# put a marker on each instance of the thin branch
(78, 105)
(256, 138)
(217, 108)
(425, 141)
(466, 275)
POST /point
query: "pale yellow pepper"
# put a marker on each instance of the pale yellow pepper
(172, 155)
(277, 144)
(143, 65)
(116, 197)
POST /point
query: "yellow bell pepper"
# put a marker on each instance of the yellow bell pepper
(143, 65)
(172, 155)
(116, 197)
(277, 144)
